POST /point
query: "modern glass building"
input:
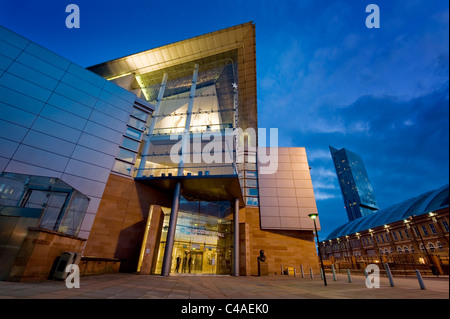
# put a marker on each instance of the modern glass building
(147, 163)
(357, 192)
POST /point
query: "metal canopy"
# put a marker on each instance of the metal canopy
(199, 188)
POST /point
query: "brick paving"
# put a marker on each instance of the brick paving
(131, 286)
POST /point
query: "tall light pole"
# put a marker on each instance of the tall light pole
(313, 217)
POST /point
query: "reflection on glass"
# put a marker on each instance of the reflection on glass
(130, 144)
(136, 123)
(139, 114)
(133, 133)
(126, 155)
(122, 167)
(203, 238)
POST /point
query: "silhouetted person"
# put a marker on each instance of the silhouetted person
(190, 263)
(177, 268)
(184, 263)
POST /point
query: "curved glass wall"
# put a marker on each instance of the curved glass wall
(203, 238)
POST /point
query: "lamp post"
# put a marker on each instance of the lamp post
(313, 217)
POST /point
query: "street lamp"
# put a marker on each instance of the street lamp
(313, 217)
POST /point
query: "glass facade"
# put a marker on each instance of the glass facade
(357, 191)
(62, 207)
(203, 239)
(201, 103)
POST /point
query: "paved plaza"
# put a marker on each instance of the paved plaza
(131, 286)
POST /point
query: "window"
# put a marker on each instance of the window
(405, 249)
(445, 224)
(133, 133)
(400, 234)
(395, 235)
(251, 191)
(425, 231)
(431, 247)
(139, 114)
(387, 237)
(126, 155)
(252, 201)
(134, 122)
(251, 183)
(122, 167)
(250, 174)
(130, 144)
(399, 249)
(406, 233)
(416, 230)
(433, 230)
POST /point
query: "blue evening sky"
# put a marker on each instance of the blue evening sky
(323, 77)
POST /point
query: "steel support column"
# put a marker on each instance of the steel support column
(167, 261)
(236, 239)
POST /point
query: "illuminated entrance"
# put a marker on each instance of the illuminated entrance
(203, 238)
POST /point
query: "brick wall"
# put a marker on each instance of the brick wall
(282, 247)
(119, 225)
(38, 253)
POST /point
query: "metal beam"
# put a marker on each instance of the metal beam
(186, 137)
(153, 120)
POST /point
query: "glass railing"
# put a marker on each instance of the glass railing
(189, 170)
(192, 129)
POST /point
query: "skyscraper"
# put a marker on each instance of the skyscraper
(357, 191)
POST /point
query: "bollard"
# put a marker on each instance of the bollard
(302, 272)
(295, 272)
(321, 274)
(334, 272)
(365, 273)
(282, 271)
(388, 273)
(349, 276)
(419, 277)
(311, 273)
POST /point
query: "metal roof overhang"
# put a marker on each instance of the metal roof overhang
(206, 188)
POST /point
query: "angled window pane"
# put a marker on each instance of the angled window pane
(126, 155)
(134, 122)
(133, 133)
(130, 144)
(122, 167)
(139, 114)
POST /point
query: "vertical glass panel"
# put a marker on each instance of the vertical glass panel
(139, 114)
(126, 155)
(133, 133)
(251, 183)
(130, 144)
(122, 167)
(74, 215)
(252, 201)
(251, 191)
(136, 123)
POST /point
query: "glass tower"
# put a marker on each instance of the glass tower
(357, 191)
